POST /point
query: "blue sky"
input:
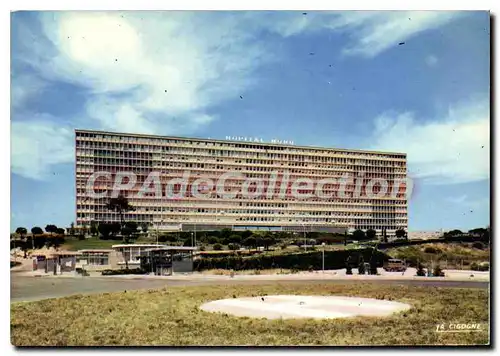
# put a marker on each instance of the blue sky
(338, 79)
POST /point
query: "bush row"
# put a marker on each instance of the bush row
(297, 261)
(114, 272)
(480, 266)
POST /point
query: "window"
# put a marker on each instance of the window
(94, 259)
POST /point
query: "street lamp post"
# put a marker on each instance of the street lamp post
(323, 244)
(158, 232)
(305, 239)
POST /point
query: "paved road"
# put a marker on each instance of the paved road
(32, 288)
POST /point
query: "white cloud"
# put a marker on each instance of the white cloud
(154, 72)
(369, 32)
(375, 32)
(431, 60)
(23, 87)
(38, 144)
(468, 203)
(160, 72)
(446, 150)
(168, 63)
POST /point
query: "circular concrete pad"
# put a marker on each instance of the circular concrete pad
(298, 306)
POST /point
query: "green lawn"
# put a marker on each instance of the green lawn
(171, 316)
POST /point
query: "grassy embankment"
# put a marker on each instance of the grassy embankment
(448, 255)
(171, 316)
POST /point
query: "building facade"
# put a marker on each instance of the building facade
(267, 182)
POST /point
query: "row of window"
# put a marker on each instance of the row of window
(335, 203)
(375, 224)
(219, 212)
(239, 157)
(204, 170)
(124, 142)
(94, 259)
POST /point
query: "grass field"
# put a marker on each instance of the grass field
(171, 316)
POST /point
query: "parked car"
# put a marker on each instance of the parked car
(395, 265)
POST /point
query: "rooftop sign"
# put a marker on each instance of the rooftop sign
(257, 139)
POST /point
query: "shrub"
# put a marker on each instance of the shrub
(301, 260)
(233, 246)
(478, 245)
(438, 272)
(420, 270)
(373, 267)
(371, 234)
(212, 240)
(361, 268)
(484, 266)
(114, 272)
(217, 247)
(432, 249)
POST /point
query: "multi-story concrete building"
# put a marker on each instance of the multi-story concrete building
(267, 179)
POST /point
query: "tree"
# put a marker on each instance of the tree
(233, 246)
(483, 234)
(212, 240)
(268, 241)
(168, 237)
(245, 234)
(249, 242)
(129, 230)
(115, 228)
(225, 233)
(120, 205)
(126, 233)
(455, 232)
(400, 233)
(94, 230)
(479, 231)
(72, 229)
(358, 235)
(37, 230)
(105, 230)
(144, 227)
(55, 241)
(22, 231)
(217, 247)
(486, 236)
(39, 241)
(51, 228)
(60, 231)
(371, 234)
(235, 239)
